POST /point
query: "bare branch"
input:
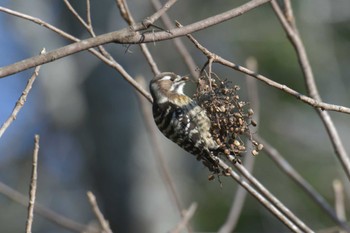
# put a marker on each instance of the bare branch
(311, 86)
(187, 215)
(42, 210)
(266, 203)
(299, 180)
(339, 199)
(33, 185)
(21, 101)
(288, 12)
(103, 222)
(39, 22)
(127, 36)
(272, 198)
(48, 26)
(88, 14)
(310, 101)
(124, 11)
(76, 15)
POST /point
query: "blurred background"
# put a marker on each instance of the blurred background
(92, 129)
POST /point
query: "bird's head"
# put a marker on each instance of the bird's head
(167, 85)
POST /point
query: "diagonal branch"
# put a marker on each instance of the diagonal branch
(50, 215)
(300, 181)
(294, 37)
(277, 203)
(101, 219)
(21, 100)
(262, 199)
(33, 185)
(187, 215)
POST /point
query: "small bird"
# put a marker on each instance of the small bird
(181, 119)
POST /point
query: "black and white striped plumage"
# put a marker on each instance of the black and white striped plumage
(181, 119)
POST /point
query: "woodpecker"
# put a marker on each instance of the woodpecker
(181, 119)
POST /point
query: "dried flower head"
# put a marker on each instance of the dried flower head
(230, 117)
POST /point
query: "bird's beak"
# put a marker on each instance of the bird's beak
(181, 79)
(184, 78)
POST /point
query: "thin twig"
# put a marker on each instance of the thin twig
(22, 99)
(295, 39)
(48, 26)
(288, 12)
(187, 215)
(88, 13)
(124, 11)
(33, 185)
(300, 181)
(266, 203)
(76, 14)
(249, 161)
(39, 22)
(339, 199)
(50, 215)
(102, 221)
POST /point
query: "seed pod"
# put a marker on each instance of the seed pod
(253, 123)
(255, 152)
(237, 114)
(211, 177)
(250, 112)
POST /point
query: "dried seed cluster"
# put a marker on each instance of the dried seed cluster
(230, 117)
